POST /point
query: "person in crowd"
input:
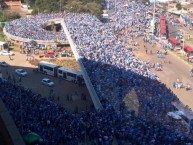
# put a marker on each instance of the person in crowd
(114, 72)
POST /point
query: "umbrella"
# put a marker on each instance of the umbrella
(31, 138)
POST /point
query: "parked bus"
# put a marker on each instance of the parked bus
(174, 44)
(188, 51)
(162, 28)
(61, 72)
(48, 68)
(69, 74)
(163, 34)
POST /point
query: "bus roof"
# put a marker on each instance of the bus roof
(188, 48)
(173, 40)
(47, 63)
(163, 31)
(70, 70)
(162, 17)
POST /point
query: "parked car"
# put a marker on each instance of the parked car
(21, 72)
(50, 55)
(5, 52)
(66, 54)
(4, 64)
(47, 82)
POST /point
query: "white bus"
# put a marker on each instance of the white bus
(70, 75)
(48, 68)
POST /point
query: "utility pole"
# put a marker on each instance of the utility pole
(153, 18)
(108, 10)
(115, 6)
(183, 39)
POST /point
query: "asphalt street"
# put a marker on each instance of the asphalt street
(177, 69)
(33, 81)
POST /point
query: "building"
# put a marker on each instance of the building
(13, 4)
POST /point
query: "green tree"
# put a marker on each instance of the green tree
(74, 6)
(8, 16)
(178, 6)
(145, 1)
(89, 6)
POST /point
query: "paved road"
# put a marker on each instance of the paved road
(33, 81)
(178, 69)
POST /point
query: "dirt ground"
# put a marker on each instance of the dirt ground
(176, 69)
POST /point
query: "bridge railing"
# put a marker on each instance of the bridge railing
(94, 97)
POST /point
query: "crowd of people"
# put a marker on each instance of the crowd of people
(106, 52)
(33, 28)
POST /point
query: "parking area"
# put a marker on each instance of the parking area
(62, 90)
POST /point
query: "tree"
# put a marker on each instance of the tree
(78, 6)
(178, 6)
(94, 9)
(33, 43)
(145, 1)
(8, 16)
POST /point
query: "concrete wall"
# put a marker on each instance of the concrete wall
(8, 129)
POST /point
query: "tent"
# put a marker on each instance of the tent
(31, 138)
(174, 115)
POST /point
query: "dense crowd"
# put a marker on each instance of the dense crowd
(33, 28)
(106, 50)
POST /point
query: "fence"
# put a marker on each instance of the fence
(94, 97)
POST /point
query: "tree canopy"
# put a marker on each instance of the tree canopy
(8, 16)
(178, 6)
(90, 6)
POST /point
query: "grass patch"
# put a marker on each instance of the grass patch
(15, 48)
(2, 36)
(69, 63)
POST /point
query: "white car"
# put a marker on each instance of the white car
(21, 72)
(47, 82)
(4, 64)
(7, 53)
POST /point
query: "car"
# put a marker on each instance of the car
(66, 54)
(47, 82)
(50, 55)
(4, 64)
(5, 52)
(21, 72)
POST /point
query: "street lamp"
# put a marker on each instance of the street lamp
(153, 18)
(115, 6)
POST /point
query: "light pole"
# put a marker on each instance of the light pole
(153, 18)
(115, 6)
(108, 9)
(183, 39)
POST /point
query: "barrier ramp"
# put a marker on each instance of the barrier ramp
(94, 97)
